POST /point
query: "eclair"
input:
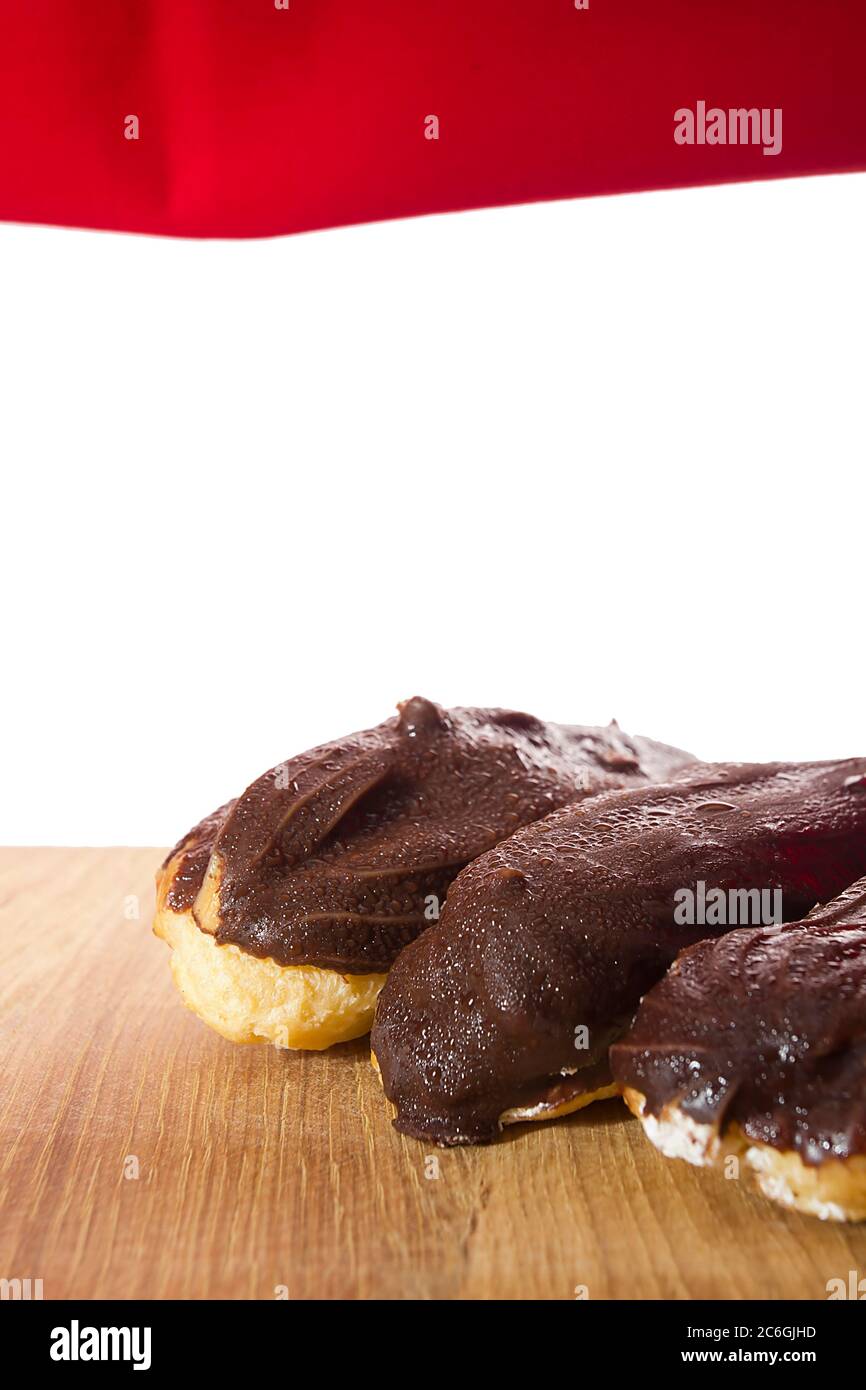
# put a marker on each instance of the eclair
(286, 908)
(754, 1045)
(506, 1008)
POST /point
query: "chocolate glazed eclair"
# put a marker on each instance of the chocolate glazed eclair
(286, 908)
(506, 1008)
(755, 1045)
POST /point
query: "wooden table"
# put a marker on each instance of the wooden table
(261, 1172)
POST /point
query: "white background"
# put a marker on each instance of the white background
(589, 459)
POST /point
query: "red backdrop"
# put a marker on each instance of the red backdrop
(253, 119)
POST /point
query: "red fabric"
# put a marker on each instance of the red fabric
(259, 120)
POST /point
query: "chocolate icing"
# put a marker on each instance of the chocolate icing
(570, 922)
(192, 856)
(765, 1028)
(335, 858)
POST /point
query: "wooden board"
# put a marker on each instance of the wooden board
(261, 1171)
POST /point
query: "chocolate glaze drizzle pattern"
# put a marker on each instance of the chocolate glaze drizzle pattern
(338, 857)
(765, 1028)
(568, 923)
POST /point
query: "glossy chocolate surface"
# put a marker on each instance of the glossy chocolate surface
(765, 1028)
(548, 941)
(341, 856)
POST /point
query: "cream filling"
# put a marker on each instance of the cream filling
(832, 1191)
(248, 999)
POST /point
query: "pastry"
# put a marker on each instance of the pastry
(755, 1045)
(286, 908)
(505, 1009)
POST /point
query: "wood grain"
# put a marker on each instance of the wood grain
(259, 1169)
